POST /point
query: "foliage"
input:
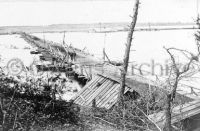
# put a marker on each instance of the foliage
(136, 115)
(25, 108)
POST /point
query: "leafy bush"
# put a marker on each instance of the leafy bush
(25, 108)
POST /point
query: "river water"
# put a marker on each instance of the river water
(147, 52)
(146, 46)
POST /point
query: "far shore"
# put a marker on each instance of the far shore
(94, 28)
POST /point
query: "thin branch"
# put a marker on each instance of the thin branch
(14, 121)
(105, 121)
(148, 117)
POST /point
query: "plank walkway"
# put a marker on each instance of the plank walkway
(90, 66)
(106, 80)
(179, 113)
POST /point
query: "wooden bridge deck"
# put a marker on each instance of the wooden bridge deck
(179, 113)
(104, 91)
(106, 79)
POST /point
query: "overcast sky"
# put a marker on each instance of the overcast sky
(46, 12)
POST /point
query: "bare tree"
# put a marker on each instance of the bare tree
(177, 74)
(127, 52)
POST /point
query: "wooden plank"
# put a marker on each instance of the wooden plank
(110, 96)
(102, 94)
(186, 115)
(114, 98)
(92, 96)
(111, 102)
(178, 113)
(91, 89)
(184, 109)
(133, 83)
(95, 92)
(85, 88)
(82, 97)
(101, 79)
(88, 85)
(130, 83)
(180, 116)
(106, 95)
(175, 109)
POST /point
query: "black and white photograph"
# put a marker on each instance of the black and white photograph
(99, 65)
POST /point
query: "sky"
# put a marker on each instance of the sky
(47, 12)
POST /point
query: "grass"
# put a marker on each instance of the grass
(24, 107)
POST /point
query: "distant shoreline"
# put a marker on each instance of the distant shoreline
(93, 27)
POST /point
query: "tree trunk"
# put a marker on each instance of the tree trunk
(127, 52)
(168, 126)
